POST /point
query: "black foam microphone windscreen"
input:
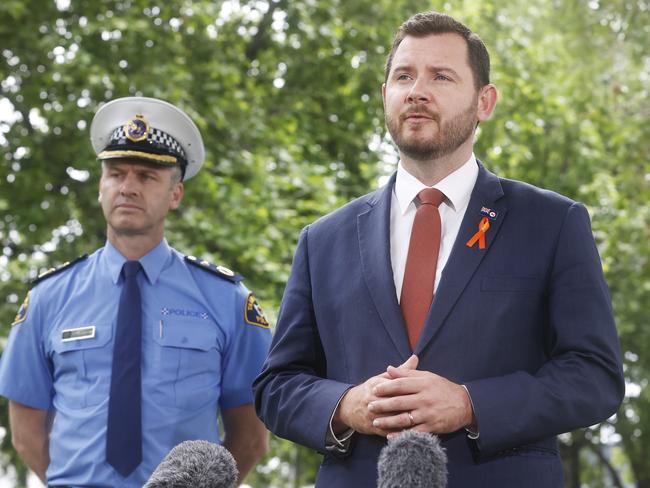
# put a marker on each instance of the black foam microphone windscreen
(413, 460)
(195, 464)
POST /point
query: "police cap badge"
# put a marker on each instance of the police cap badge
(150, 130)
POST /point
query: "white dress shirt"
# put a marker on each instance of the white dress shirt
(457, 188)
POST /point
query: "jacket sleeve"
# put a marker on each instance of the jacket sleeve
(582, 381)
(292, 395)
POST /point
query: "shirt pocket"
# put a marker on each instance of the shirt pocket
(189, 363)
(82, 366)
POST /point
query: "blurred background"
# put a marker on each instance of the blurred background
(287, 96)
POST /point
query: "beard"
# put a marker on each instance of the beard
(451, 134)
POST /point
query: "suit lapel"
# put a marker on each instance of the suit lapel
(374, 245)
(463, 260)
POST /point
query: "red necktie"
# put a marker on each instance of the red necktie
(420, 272)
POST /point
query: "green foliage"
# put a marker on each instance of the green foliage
(287, 96)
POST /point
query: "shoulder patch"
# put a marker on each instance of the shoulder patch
(21, 316)
(220, 271)
(253, 313)
(52, 271)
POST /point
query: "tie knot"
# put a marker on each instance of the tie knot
(431, 196)
(131, 268)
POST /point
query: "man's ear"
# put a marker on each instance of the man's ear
(487, 100)
(177, 195)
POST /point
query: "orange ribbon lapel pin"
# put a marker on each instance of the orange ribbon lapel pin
(479, 237)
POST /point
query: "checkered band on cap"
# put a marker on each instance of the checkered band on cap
(160, 139)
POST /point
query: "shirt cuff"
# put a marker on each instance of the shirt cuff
(341, 443)
(472, 430)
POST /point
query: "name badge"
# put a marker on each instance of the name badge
(78, 334)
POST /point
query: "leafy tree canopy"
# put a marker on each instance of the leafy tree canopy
(287, 96)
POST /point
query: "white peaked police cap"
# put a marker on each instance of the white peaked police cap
(149, 130)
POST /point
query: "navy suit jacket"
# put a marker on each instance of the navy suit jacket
(526, 324)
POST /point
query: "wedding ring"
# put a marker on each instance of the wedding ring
(411, 419)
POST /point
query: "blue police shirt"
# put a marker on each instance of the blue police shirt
(202, 346)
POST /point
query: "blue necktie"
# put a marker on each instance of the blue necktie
(124, 430)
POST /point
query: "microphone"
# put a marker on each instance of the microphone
(195, 464)
(413, 459)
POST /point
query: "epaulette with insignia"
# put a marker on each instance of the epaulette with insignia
(220, 271)
(52, 271)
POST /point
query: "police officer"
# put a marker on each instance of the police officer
(115, 358)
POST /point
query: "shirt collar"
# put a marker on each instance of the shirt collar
(456, 186)
(153, 262)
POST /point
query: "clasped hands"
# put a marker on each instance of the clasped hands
(404, 398)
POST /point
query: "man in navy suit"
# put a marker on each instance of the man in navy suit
(513, 340)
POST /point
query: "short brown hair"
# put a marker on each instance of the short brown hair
(428, 23)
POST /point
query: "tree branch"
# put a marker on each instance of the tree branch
(596, 449)
(260, 39)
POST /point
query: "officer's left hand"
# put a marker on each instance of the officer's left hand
(436, 404)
